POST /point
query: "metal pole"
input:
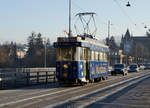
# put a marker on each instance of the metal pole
(108, 39)
(108, 29)
(45, 54)
(136, 51)
(69, 35)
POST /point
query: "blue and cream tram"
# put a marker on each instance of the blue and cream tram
(80, 60)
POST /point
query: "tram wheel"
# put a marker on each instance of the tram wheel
(104, 78)
(82, 83)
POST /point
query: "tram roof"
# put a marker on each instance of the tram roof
(78, 41)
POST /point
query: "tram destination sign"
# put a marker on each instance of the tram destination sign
(66, 44)
(68, 39)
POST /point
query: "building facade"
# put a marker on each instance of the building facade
(135, 47)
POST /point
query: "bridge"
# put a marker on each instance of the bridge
(131, 91)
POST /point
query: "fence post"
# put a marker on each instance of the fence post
(46, 77)
(54, 76)
(37, 77)
(28, 77)
(1, 80)
(15, 77)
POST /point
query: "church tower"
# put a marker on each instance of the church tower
(127, 36)
(126, 40)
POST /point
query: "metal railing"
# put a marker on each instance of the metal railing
(11, 78)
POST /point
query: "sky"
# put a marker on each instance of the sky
(18, 18)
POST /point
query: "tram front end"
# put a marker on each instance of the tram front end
(69, 67)
(70, 71)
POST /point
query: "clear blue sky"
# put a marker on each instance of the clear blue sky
(18, 18)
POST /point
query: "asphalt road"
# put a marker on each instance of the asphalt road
(44, 96)
(134, 96)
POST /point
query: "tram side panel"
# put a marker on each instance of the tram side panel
(98, 69)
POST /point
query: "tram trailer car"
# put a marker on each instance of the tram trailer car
(80, 60)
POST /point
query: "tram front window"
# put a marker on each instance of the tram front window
(68, 53)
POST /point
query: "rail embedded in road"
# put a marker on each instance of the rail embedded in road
(60, 95)
(100, 94)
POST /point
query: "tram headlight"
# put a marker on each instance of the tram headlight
(81, 66)
(0, 79)
(65, 66)
(81, 73)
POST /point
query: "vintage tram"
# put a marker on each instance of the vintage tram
(81, 59)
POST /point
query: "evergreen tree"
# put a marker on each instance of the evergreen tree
(39, 41)
(31, 44)
(13, 57)
(112, 43)
(48, 43)
(35, 53)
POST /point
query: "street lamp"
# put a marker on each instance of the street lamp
(128, 4)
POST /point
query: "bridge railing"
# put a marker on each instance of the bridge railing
(17, 77)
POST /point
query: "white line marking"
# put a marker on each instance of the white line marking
(108, 94)
(13, 102)
(121, 104)
(73, 98)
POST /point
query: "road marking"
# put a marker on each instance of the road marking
(19, 96)
(23, 88)
(13, 102)
(117, 90)
(38, 92)
(73, 98)
(121, 104)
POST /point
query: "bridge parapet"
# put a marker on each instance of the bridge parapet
(17, 77)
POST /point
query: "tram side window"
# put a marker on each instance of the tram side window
(84, 54)
(92, 55)
(101, 56)
(89, 54)
(81, 54)
(96, 56)
(105, 57)
(76, 54)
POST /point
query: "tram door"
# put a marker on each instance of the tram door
(88, 52)
(86, 57)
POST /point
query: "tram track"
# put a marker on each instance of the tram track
(99, 94)
(21, 94)
(57, 95)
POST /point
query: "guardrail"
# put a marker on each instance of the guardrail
(11, 78)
